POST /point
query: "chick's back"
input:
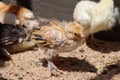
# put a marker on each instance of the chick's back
(52, 35)
(11, 34)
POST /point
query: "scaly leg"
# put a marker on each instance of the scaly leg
(54, 70)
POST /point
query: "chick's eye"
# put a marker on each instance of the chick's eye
(75, 34)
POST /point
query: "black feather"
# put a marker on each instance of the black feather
(10, 34)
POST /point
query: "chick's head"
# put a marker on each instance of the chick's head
(74, 31)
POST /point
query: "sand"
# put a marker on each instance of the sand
(93, 62)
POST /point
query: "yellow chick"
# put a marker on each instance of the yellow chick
(58, 37)
(95, 17)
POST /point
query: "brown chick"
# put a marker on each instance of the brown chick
(14, 38)
(58, 37)
(22, 14)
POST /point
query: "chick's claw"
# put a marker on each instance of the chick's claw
(57, 72)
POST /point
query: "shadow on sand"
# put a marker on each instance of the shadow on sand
(73, 64)
(108, 72)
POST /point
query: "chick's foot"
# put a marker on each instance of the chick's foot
(54, 70)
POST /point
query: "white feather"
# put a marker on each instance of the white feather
(95, 17)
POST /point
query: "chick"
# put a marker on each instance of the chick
(58, 37)
(95, 17)
(14, 38)
(22, 14)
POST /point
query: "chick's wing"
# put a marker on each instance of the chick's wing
(52, 35)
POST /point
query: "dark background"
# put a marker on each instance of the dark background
(63, 9)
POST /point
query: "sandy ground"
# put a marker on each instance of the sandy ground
(86, 64)
(93, 62)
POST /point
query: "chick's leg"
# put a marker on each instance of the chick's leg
(92, 37)
(7, 54)
(96, 42)
(53, 68)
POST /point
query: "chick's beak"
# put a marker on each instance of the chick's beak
(79, 37)
(82, 36)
